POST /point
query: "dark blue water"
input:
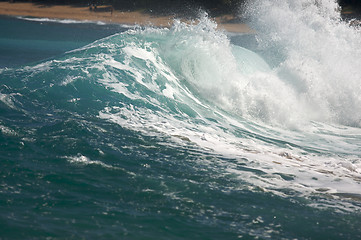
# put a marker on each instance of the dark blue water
(24, 42)
(118, 133)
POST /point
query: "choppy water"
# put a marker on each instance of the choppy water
(183, 133)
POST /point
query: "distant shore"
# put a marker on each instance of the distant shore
(106, 14)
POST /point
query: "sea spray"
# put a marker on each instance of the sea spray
(317, 57)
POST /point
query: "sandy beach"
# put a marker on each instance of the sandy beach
(105, 14)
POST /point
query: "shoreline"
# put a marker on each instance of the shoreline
(106, 14)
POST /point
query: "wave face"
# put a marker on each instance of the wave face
(182, 132)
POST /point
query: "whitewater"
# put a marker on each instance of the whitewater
(188, 132)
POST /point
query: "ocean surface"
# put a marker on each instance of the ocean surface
(119, 132)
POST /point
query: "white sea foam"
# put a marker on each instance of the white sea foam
(86, 161)
(64, 21)
(80, 159)
(69, 79)
(72, 21)
(7, 100)
(7, 131)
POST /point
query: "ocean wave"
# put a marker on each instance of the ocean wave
(290, 116)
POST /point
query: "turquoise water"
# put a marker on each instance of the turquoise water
(182, 133)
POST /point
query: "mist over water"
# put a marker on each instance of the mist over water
(172, 133)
